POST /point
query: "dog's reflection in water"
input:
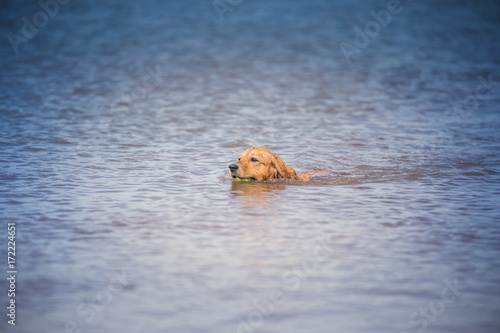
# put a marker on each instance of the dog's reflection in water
(257, 193)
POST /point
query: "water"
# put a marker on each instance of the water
(127, 219)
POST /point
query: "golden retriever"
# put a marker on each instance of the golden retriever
(260, 164)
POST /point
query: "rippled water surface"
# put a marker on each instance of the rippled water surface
(118, 121)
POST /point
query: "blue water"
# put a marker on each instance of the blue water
(118, 121)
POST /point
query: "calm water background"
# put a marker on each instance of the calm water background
(117, 180)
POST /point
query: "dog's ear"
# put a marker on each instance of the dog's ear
(280, 170)
(272, 173)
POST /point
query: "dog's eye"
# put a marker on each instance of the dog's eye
(253, 159)
(239, 159)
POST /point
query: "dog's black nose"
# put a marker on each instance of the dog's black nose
(233, 167)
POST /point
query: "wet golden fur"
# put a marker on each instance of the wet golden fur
(260, 164)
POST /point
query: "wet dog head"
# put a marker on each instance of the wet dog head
(260, 164)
